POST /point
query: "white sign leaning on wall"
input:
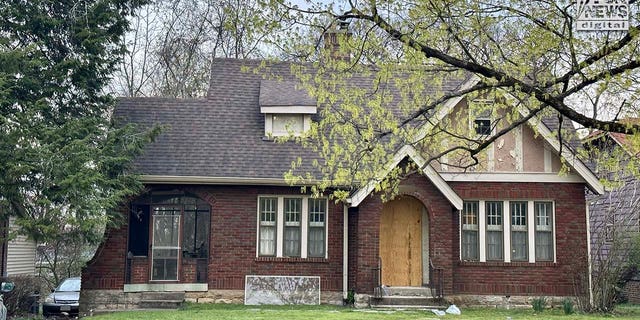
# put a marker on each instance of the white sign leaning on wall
(602, 15)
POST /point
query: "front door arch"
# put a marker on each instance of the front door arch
(402, 238)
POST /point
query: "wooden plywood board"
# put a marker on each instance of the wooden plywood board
(401, 242)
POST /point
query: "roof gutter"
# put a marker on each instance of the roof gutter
(165, 179)
(160, 179)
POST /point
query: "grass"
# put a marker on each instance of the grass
(240, 312)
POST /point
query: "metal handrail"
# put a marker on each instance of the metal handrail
(377, 280)
(436, 280)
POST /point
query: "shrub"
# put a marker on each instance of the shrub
(351, 298)
(567, 306)
(539, 304)
(20, 300)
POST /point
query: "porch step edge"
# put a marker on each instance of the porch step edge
(413, 307)
(160, 304)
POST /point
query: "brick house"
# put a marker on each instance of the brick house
(615, 215)
(217, 212)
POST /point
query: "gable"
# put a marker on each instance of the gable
(426, 170)
(534, 154)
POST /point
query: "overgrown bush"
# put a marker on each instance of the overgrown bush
(567, 306)
(539, 304)
(20, 300)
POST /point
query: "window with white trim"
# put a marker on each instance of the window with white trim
(292, 229)
(290, 226)
(317, 230)
(544, 230)
(470, 231)
(495, 250)
(519, 244)
(268, 211)
(482, 126)
(509, 231)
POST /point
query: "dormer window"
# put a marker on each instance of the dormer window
(280, 124)
(287, 109)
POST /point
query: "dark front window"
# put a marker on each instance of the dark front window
(195, 229)
(177, 224)
(482, 126)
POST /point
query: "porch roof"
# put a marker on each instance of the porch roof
(426, 169)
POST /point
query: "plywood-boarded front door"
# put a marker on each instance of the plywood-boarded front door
(401, 242)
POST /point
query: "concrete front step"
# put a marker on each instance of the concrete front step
(412, 307)
(160, 304)
(406, 301)
(406, 291)
(160, 295)
(161, 300)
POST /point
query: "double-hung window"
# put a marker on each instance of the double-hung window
(544, 230)
(292, 230)
(470, 245)
(519, 234)
(317, 233)
(292, 226)
(267, 230)
(509, 231)
(495, 236)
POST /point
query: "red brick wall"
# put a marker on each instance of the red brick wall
(233, 242)
(545, 278)
(632, 291)
(442, 222)
(106, 269)
(232, 247)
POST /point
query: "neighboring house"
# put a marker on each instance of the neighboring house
(615, 215)
(218, 220)
(18, 255)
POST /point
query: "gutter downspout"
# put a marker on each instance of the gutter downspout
(345, 251)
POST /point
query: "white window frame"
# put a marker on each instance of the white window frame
(552, 227)
(474, 116)
(471, 228)
(304, 226)
(270, 224)
(268, 125)
(506, 230)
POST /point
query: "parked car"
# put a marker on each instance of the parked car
(5, 287)
(63, 300)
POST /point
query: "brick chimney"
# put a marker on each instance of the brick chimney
(338, 32)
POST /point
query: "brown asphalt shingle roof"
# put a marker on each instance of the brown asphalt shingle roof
(222, 135)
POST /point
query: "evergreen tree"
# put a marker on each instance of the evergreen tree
(63, 162)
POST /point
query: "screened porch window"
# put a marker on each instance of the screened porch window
(195, 234)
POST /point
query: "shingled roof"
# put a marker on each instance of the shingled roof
(222, 135)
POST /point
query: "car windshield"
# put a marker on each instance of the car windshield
(69, 285)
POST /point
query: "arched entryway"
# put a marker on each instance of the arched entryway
(404, 242)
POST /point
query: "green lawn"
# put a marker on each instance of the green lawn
(240, 312)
